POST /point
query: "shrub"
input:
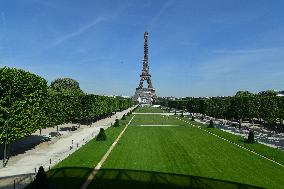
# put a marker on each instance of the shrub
(101, 136)
(234, 125)
(116, 123)
(192, 118)
(211, 124)
(123, 117)
(40, 179)
(250, 137)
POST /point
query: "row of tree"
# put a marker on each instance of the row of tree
(27, 104)
(267, 109)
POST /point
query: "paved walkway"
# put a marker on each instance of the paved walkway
(51, 152)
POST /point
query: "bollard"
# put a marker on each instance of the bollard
(77, 145)
(70, 147)
(14, 184)
(49, 161)
(72, 141)
(35, 170)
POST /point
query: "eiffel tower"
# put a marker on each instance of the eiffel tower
(145, 95)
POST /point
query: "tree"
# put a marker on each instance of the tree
(123, 117)
(116, 123)
(211, 124)
(268, 93)
(269, 109)
(22, 103)
(250, 138)
(243, 94)
(40, 181)
(65, 85)
(101, 136)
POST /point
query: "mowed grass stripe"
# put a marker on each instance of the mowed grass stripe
(240, 146)
(148, 109)
(104, 158)
(190, 151)
(261, 149)
(156, 120)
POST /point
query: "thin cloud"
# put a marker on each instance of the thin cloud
(78, 32)
(90, 25)
(248, 51)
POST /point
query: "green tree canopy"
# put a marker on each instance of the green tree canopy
(243, 94)
(65, 85)
(268, 93)
(22, 103)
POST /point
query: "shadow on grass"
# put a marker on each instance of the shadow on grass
(66, 178)
(74, 177)
(115, 178)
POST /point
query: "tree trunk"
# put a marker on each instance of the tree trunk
(240, 123)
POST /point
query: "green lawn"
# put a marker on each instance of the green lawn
(178, 157)
(154, 119)
(262, 149)
(149, 109)
(166, 157)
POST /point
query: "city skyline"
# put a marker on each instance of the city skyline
(199, 48)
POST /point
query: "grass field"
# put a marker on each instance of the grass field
(149, 109)
(272, 153)
(182, 157)
(155, 120)
(177, 156)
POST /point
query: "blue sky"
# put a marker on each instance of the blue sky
(196, 47)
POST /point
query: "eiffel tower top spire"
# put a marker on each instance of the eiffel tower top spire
(145, 70)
